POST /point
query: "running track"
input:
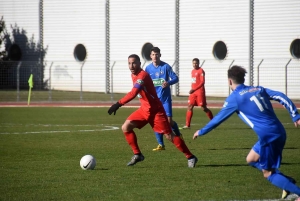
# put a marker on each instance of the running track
(211, 104)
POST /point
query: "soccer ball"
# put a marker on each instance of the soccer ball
(88, 162)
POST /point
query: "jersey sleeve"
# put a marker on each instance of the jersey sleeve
(137, 87)
(285, 101)
(173, 76)
(230, 106)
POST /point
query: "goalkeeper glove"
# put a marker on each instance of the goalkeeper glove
(114, 108)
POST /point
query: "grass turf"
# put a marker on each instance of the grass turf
(41, 149)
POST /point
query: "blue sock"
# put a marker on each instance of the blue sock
(255, 165)
(279, 180)
(175, 129)
(160, 139)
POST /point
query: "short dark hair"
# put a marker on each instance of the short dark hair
(237, 74)
(196, 59)
(134, 56)
(155, 49)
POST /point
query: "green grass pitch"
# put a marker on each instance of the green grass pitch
(40, 150)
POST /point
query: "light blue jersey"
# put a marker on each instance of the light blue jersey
(253, 106)
(163, 72)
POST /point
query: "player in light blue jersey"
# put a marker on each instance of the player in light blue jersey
(163, 77)
(253, 106)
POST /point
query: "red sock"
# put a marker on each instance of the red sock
(209, 114)
(181, 146)
(189, 115)
(132, 141)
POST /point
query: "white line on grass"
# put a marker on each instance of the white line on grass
(45, 132)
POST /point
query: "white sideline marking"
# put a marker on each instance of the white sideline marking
(47, 125)
(43, 132)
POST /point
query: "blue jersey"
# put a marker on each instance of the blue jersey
(162, 73)
(253, 106)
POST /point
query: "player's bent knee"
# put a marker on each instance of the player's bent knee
(190, 107)
(249, 160)
(127, 126)
(252, 157)
(124, 128)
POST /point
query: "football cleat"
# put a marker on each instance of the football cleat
(192, 162)
(185, 127)
(293, 196)
(159, 148)
(286, 193)
(136, 158)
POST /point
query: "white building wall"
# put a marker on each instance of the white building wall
(23, 15)
(276, 25)
(202, 24)
(134, 23)
(69, 23)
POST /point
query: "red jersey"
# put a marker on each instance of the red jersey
(198, 80)
(144, 89)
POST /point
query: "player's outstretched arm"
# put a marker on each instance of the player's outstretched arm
(114, 108)
(195, 135)
(286, 102)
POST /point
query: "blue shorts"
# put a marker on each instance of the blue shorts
(168, 108)
(271, 153)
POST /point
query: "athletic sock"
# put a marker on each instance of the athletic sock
(188, 119)
(159, 138)
(279, 180)
(181, 146)
(209, 114)
(175, 128)
(255, 165)
(132, 141)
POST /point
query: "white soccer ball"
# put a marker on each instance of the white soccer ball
(88, 162)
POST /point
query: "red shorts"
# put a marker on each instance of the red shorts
(197, 99)
(157, 119)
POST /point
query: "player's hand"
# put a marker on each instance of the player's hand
(195, 135)
(191, 91)
(165, 84)
(297, 123)
(169, 137)
(114, 108)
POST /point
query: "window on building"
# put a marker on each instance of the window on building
(80, 52)
(220, 50)
(295, 49)
(146, 50)
(15, 53)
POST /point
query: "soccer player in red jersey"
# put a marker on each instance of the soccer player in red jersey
(197, 93)
(151, 111)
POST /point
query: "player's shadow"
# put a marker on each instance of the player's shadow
(224, 165)
(291, 148)
(215, 149)
(238, 165)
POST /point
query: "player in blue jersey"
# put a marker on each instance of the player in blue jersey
(253, 106)
(163, 77)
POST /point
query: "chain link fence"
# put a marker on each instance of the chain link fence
(71, 81)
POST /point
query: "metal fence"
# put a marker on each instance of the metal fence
(84, 81)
